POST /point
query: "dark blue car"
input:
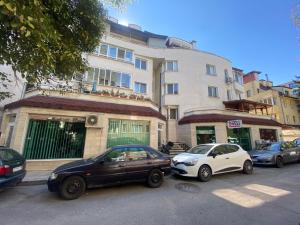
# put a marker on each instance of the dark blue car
(12, 168)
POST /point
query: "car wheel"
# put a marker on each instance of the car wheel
(72, 187)
(279, 162)
(204, 173)
(155, 178)
(248, 167)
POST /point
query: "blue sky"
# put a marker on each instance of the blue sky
(253, 34)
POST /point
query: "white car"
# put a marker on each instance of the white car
(205, 160)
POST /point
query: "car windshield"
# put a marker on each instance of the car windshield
(200, 149)
(273, 147)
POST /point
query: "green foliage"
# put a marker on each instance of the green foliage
(40, 38)
(4, 82)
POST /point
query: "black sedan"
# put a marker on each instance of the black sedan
(278, 154)
(12, 168)
(120, 164)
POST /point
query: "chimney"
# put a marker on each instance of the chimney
(194, 44)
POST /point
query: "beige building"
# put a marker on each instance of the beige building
(283, 101)
(141, 88)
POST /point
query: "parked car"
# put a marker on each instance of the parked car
(297, 141)
(205, 160)
(277, 153)
(12, 168)
(120, 164)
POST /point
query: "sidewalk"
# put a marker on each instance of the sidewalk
(35, 178)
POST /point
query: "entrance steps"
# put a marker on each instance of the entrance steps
(178, 147)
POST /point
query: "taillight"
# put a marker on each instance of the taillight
(4, 170)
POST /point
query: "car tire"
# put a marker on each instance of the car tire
(155, 178)
(248, 167)
(279, 162)
(72, 188)
(204, 173)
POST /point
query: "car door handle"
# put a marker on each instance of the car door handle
(227, 158)
(121, 165)
(149, 162)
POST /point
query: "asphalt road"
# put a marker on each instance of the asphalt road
(269, 196)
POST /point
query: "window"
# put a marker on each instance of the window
(172, 89)
(274, 100)
(220, 150)
(112, 52)
(228, 95)
(135, 154)
(140, 88)
(205, 135)
(117, 155)
(211, 69)
(238, 78)
(213, 92)
(270, 101)
(9, 154)
(121, 53)
(257, 90)
(232, 148)
(226, 73)
(294, 119)
(287, 118)
(171, 66)
(140, 64)
(108, 78)
(128, 55)
(248, 93)
(103, 49)
(173, 114)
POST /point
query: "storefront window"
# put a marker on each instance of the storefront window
(205, 135)
(269, 135)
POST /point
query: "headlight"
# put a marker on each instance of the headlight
(53, 176)
(191, 163)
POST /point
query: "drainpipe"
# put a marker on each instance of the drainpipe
(284, 119)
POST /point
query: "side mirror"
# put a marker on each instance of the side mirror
(101, 161)
(213, 154)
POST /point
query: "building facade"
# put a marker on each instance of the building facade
(283, 99)
(141, 88)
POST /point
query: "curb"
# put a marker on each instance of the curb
(33, 182)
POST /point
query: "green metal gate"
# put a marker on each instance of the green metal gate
(122, 132)
(48, 139)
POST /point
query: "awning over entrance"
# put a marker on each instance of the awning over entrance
(207, 118)
(84, 105)
(244, 105)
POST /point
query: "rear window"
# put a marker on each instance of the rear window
(9, 155)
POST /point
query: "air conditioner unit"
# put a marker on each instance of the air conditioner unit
(96, 121)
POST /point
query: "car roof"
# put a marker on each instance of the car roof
(130, 145)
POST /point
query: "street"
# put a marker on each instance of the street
(269, 196)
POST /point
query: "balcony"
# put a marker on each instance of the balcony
(238, 86)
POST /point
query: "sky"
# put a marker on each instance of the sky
(253, 34)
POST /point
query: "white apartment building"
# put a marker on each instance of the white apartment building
(193, 93)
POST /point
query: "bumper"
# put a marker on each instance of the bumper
(53, 185)
(12, 181)
(263, 162)
(186, 171)
(167, 170)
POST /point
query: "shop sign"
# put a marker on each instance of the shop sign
(234, 124)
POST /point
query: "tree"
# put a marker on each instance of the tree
(41, 38)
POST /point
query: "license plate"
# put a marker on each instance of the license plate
(16, 169)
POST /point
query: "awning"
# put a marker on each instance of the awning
(84, 105)
(208, 118)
